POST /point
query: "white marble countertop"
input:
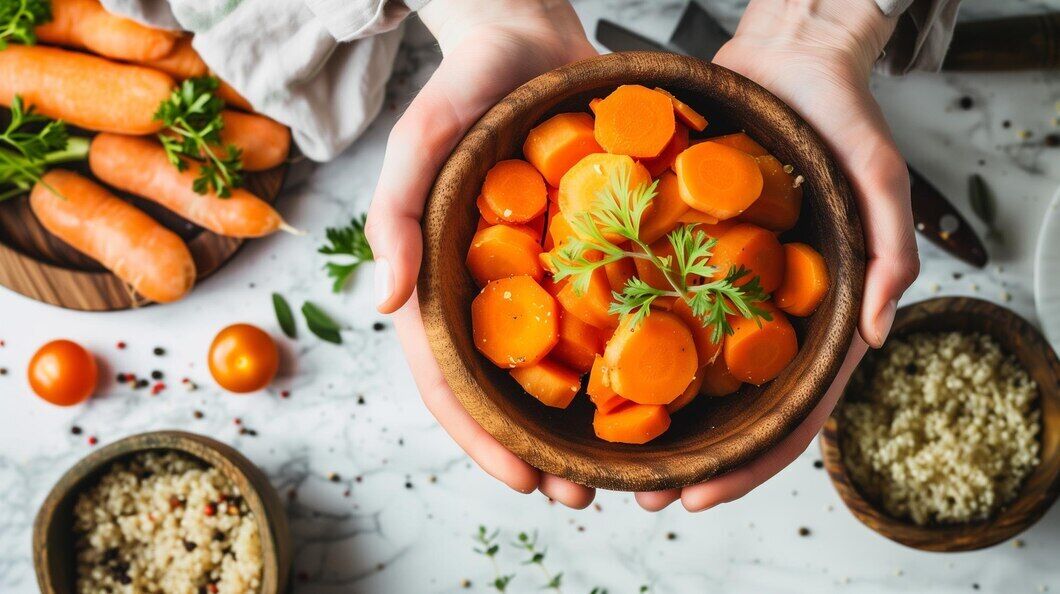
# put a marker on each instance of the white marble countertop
(400, 517)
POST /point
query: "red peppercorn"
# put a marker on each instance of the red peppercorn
(174, 503)
(285, 394)
(210, 510)
(121, 344)
(92, 440)
(237, 421)
(212, 588)
(155, 389)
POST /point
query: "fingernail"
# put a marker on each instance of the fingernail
(383, 282)
(884, 319)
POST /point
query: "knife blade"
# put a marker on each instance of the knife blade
(933, 215)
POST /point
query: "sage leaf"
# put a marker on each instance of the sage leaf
(321, 324)
(284, 315)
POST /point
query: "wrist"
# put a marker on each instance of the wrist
(852, 31)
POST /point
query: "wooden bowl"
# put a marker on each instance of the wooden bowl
(54, 556)
(711, 436)
(1017, 337)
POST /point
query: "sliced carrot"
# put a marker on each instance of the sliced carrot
(552, 286)
(594, 103)
(152, 259)
(550, 382)
(559, 229)
(634, 120)
(717, 381)
(756, 354)
(553, 194)
(653, 362)
(487, 213)
(86, 91)
(631, 423)
(718, 180)
(805, 280)
(499, 251)
(694, 216)
(515, 322)
(777, 208)
(550, 216)
(657, 165)
(741, 142)
(140, 166)
(619, 272)
(591, 307)
(667, 208)
(580, 186)
(599, 389)
(579, 343)
(556, 144)
(86, 24)
(515, 191)
(649, 272)
(706, 349)
(755, 249)
(717, 229)
(685, 113)
(181, 63)
(688, 395)
(263, 142)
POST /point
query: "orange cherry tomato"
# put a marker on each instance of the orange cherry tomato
(63, 373)
(243, 358)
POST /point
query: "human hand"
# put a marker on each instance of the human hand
(489, 48)
(818, 59)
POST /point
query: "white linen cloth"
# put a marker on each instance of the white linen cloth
(922, 35)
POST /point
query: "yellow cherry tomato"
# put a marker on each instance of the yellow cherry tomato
(243, 358)
(63, 373)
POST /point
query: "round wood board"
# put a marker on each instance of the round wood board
(41, 266)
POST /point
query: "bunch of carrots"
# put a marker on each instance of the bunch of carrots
(623, 249)
(165, 133)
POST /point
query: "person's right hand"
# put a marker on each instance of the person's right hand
(489, 48)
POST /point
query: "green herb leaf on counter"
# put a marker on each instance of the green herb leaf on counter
(321, 324)
(193, 123)
(18, 19)
(31, 143)
(346, 241)
(984, 206)
(284, 315)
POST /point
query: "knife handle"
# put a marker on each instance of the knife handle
(940, 223)
(1016, 43)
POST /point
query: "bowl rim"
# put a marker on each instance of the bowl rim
(685, 467)
(969, 536)
(273, 529)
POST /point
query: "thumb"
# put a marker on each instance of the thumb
(418, 145)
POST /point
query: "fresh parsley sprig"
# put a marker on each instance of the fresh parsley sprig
(617, 213)
(351, 242)
(19, 18)
(192, 122)
(29, 145)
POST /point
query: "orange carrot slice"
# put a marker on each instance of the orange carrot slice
(657, 165)
(777, 208)
(718, 180)
(501, 251)
(599, 389)
(515, 322)
(741, 142)
(685, 113)
(591, 307)
(486, 212)
(755, 249)
(805, 280)
(514, 191)
(688, 395)
(550, 382)
(619, 272)
(667, 208)
(579, 343)
(706, 349)
(756, 354)
(634, 120)
(717, 381)
(653, 362)
(580, 186)
(631, 423)
(556, 144)
(594, 103)
(694, 216)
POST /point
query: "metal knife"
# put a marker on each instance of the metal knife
(697, 34)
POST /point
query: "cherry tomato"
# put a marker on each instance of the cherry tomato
(63, 372)
(243, 358)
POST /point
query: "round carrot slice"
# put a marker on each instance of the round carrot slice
(755, 249)
(756, 354)
(717, 381)
(501, 251)
(652, 362)
(706, 349)
(515, 322)
(631, 423)
(635, 120)
(805, 280)
(515, 191)
(581, 185)
(718, 180)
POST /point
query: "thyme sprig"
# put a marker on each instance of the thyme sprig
(615, 218)
(19, 18)
(528, 542)
(488, 546)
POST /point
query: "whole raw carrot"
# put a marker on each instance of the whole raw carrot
(83, 90)
(182, 62)
(264, 141)
(86, 24)
(139, 166)
(121, 237)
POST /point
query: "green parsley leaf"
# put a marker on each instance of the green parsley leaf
(349, 241)
(29, 145)
(19, 18)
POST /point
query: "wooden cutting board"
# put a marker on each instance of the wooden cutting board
(40, 266)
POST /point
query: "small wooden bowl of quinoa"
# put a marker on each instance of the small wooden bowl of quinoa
(948, 438)
(164, 511)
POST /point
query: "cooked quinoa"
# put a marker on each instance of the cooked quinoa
(944, 430)
(165, 522)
